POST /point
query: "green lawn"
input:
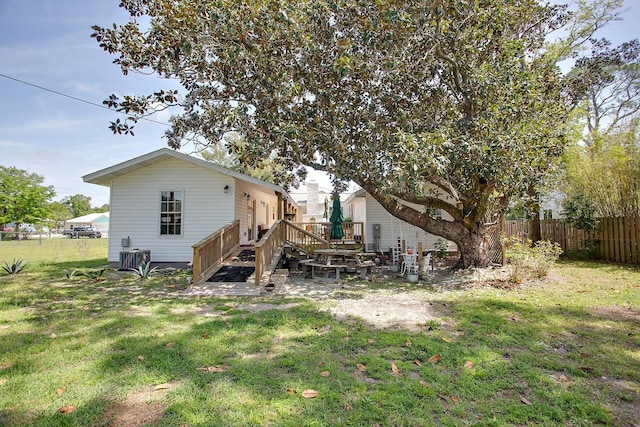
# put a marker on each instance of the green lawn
(127, 351)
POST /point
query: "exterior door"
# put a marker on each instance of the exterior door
(251, 219)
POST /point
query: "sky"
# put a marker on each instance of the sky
(47, 43)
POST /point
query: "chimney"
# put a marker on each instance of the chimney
(312, 198)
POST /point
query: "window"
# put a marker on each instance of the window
(434, 212)
(547, 214)
(171, 212)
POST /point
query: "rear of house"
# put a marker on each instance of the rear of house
(165, 202)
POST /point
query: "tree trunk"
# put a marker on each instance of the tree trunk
(535, 235)
(474, 249)
(19, 236)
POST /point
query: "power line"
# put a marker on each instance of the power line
(78, 99)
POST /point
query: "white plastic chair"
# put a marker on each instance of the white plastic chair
(410, 260)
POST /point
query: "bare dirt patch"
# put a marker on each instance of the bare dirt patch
(141, 408)
(384, 310)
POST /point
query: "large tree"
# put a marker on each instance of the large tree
(24, 199)
(59, 213)
(603, 167)
(78, 204)
(445, 104)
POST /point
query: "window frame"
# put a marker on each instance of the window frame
(168, 213)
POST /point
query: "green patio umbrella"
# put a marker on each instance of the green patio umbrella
(336, 219)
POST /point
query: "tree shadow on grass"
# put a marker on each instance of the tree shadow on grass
(530, 364)
(569, 364)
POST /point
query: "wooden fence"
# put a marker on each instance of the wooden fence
(615, 239)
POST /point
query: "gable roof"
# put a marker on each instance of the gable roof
(92, 217)
(104, 176)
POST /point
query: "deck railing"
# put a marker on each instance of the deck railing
(269, 248)
(353, 231)
(209, 252)
(305, 238)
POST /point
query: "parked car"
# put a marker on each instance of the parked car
(78, 232)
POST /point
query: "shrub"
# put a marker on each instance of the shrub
(527, 260)
(440, 247)
(14, 268)
(144, 270)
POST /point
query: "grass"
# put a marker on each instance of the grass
(565, 352)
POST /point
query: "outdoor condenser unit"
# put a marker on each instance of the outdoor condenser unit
(133, 259)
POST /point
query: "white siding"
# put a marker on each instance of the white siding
(135, 208)
(257, 195)
(392, 228)
(359, 207)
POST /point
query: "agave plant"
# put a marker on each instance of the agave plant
(14, 268)
(94, 274)
(144, 270)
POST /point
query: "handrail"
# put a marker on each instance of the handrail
(267, 250)
(304, 240)
(353, 231)
(209, 252)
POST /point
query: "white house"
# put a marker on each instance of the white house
(166, 201)
(99, 221)
(362, 207)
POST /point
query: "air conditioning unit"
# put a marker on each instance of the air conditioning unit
(133, 259)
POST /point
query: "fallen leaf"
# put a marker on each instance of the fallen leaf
(361, 367)
(417, 362)
(61, 391)
(446, 339)
(408, 343)
(205, 335)
(309, 394)
(346, 338)
(228, 324)
(525, 401)
(468, 364)
(325, 373)
(370, 341)
(394, 369)
(141, 358)
(53, 336)
(434, 359)
(424, 383)
(291, 391)
(347, 407)
(67, 409)
(454, 399)
(586, 368)
(170, 344)
(3, 381)
(221, 368)
(164, 386)
(160, 335)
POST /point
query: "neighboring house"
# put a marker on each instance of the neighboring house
(166, 201)
(362, 207)
(318, 205)
(551, 206)
(99, 221)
